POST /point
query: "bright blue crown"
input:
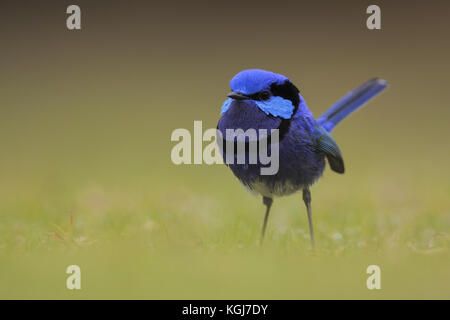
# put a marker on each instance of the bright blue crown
(255, 80)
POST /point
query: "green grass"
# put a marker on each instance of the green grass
(85, 125)
(180, 234)
(145, 228)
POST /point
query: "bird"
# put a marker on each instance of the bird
(261, 99)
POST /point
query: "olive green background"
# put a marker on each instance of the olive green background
(85, 124)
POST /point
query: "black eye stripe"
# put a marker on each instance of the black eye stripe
(259, 95)
(264, 95)
(287, 91)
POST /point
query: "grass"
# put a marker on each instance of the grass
(178, 239)
(86, 179)
(76, 190)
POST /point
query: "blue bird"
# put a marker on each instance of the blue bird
(261, 99)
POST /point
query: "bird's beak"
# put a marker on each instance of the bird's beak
(237, 96)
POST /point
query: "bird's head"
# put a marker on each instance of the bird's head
(272, 93)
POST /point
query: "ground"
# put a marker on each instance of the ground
(192, 232)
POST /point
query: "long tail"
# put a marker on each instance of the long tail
(350, 102)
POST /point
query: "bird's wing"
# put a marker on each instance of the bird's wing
(325, 143)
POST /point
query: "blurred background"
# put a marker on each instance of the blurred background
(86, 176)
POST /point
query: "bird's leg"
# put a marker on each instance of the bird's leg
(268, 202)
(307, 200)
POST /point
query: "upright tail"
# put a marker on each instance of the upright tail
(350, 102)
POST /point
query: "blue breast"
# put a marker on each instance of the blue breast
(299, 163)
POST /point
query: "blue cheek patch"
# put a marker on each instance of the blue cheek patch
(277, 107)
(226, 105)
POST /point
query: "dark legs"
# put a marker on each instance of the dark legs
(268, 202)
(307, 200)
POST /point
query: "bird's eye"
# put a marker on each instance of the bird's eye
(264, 95)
